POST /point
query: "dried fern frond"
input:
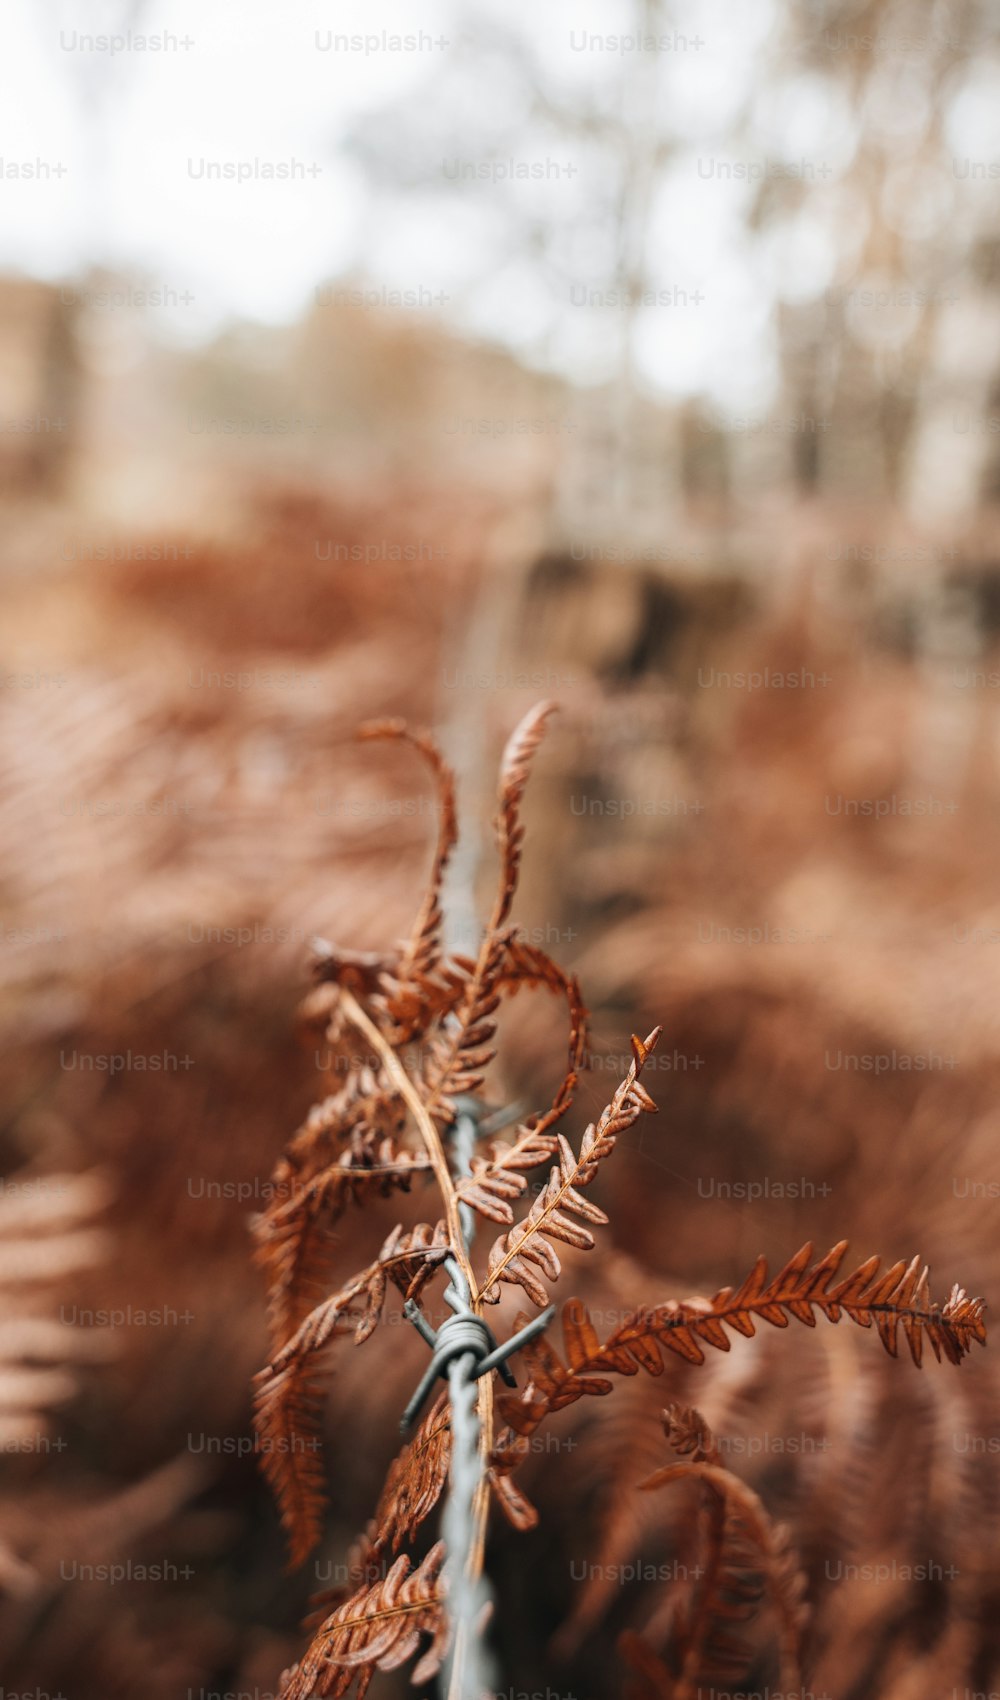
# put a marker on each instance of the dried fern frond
(746, 1557)
(294, 1235)
(288, 1399)
(689, 1434)
(529, 965)
(515, 1505)
(430, 1022)
(560, 1210)
(287, 1407)
(46, 1235)
(379, 1628)
(411, 1257)
(422, 953)
(899, 1298)
(415, 1481)
(326, 1165)
(515, 767)
(496, 1179)
(458, 1060)
(352, 1146)
(744, 1541)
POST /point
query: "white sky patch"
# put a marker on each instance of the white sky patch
(799, 257)
(918, 200)
(806, 116)
(264, 87)
(972, 119)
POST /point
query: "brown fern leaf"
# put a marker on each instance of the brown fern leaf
(361, 970)
(755, 1559)
(515, 767)
(411, 1257)
(364, 1565)
(507, 1454)
(747, 1557)
(422, 953)
(528, 965)
(296, 1254)
(288, 1404)
(353, 1177)
(554, 1384)
(356, 1111)
(295, 1250)
(897, 1298)
(514, 1504)
(379, 1628)
(293, 1234)
(560, 1209)
(289, 1389)
(458, 1061)
(415, 1481)
(618, 1447)
(688, 1433)
(708, 1630)
(498, 1177)
(407, 1005)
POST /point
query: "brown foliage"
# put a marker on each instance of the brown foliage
(431, 1021)
(378, 1628)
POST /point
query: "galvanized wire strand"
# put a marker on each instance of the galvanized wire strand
(464, 1134)
(469, 1673)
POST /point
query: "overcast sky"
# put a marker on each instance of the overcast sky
(249, 83)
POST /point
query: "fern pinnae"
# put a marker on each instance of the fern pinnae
(415, 1481)
(431, 1023)
(683, 1327)
(460, 1057)
(288, 1398)
(733, 1507)
(500, 1177)
(293, 1238)
(554, 1210)
(378, 1628)
(422, 953)
(287, 1408)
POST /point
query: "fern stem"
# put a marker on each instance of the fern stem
(484, 1387)
(428, 1132)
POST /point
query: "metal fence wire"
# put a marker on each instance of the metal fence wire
(463, 1349)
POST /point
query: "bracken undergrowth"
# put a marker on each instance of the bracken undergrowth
(428, 1018)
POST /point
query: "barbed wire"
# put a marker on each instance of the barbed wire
(470, 1673)
(463, 1349)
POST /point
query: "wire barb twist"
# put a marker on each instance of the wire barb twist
(463, 1349)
